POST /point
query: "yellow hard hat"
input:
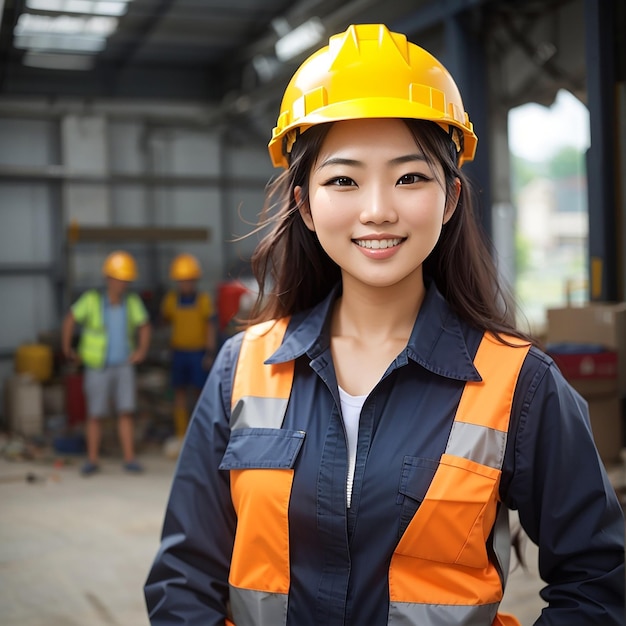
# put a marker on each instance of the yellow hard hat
(370, 72)
(185, 267)
(120, 265)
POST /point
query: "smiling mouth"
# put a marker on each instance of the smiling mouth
(378, 244)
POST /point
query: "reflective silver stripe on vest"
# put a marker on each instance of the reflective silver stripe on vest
(409, 614)
(251, 608)
(477, 443)
(254, 412)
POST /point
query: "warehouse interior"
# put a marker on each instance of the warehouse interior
(143, 125)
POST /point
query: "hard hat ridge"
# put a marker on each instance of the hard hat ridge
(347, 47)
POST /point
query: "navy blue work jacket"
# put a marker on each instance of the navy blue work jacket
(340, 557)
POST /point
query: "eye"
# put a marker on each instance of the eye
(340, 181)
(411, 179)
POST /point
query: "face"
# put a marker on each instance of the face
(116, 287)
(375, 204)
(186, 287)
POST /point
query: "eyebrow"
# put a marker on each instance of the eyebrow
(407, 158)
(418, 156)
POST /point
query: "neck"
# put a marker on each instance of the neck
(114, 298)
(378, 313)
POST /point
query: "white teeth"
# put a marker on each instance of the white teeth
(376, 244)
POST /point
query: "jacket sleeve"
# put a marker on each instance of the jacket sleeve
(566, 503)
(188, 581)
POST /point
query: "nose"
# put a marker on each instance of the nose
(377, 206)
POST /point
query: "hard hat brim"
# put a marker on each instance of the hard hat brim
(371, 108)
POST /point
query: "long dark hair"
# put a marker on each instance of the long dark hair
(295, 273)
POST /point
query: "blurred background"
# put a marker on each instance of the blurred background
(143, 125)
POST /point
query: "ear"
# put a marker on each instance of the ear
(304, 208)
(452, 201)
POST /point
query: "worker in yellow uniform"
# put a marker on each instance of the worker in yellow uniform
(110, 319)
(193, 338)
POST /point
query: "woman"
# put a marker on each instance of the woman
(354, 454)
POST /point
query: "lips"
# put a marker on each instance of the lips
(378, 244)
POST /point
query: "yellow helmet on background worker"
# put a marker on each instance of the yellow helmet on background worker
(120, 265)
(185, 267)
(370, 72)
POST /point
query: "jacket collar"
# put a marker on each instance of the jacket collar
(437, 341)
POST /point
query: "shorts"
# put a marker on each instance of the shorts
(110, 389)
(187, 369)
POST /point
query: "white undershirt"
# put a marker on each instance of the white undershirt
(351, 410)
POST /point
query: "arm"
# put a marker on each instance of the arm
(168, 305)
(143, 344)
(566, 504)
(188, 581)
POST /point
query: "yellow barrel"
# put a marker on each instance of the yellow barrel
(34, 359)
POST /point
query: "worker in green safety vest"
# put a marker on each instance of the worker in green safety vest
(115, 336)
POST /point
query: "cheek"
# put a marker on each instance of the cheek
(327, 211)
(428, 213)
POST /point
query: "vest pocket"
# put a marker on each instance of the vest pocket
(456, 516)
(417, 474)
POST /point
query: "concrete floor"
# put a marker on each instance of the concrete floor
(75, 551)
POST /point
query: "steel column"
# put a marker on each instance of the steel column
(601, 162)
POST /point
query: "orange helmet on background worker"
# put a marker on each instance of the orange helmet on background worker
(185, 267)
(369, 72)
(120, 265)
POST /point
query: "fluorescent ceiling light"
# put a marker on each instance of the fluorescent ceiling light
(67, 33)
(60, 43)
(99, 26)
(88, 7)
(58, 61)
(299, 40)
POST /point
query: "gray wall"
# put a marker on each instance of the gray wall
(63, 162)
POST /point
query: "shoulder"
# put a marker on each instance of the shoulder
(225, 364)
(136, 307)
(86, 300)
(134, 299)
(169, 300)
(546, 405)
(91, 295)
(540, 368)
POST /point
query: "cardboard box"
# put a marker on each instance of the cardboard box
(590, 373)
(596, 324)
(597, 373)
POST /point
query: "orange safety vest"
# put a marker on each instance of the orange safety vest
(440, 572)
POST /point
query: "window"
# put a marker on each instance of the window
(549, 193)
